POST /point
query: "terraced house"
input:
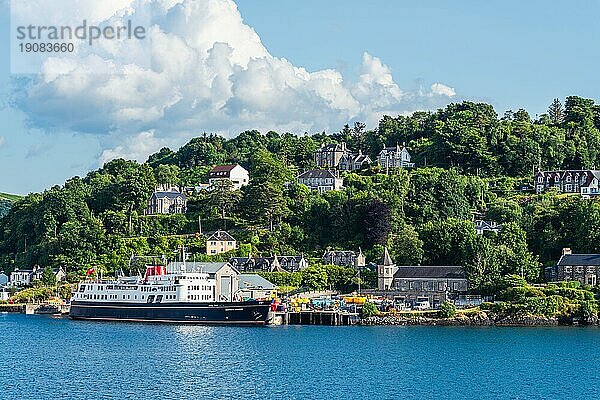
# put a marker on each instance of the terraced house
(584, 182)
(584, 268)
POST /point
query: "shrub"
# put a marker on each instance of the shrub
(447, 310)
(519, 294)
(369, 310)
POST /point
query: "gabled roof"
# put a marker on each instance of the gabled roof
(223, 168)
(580, 259)
(317, 173)
(254, 281)
(332, 147)
(430, 272)
(169, 195)
(195, 266)
(221, 236)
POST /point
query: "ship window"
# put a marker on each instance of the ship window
(150, 299)
(159, 298)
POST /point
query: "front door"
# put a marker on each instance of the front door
(225, 288)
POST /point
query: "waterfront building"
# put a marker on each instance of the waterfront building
(220, 242)
(410, 284)
(395, 157)
(235, 173)
(167, 200)
(21, 277)
(584, 268)
(253, 286)
(345, 258)
(321, 180)
(4, 293)
(584, 182)
(25, 277)
(223, 273)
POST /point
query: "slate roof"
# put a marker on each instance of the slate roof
(195, 266)
(430, 272)
(169, 195)
(580, 259)
(254, 281)
(221, 236)
(317, 173)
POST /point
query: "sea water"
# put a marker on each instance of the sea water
(57, 358)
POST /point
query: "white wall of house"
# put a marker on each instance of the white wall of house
(238, 176)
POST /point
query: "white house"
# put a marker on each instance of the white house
(167, 201)
(394, 157)
(4, 294)
(321, 180)
(21, 277)
(235, 173)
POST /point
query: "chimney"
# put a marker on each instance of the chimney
(566, 250)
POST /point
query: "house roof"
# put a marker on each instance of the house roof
(316, 173)
(223, 168)
(347, 253)
(254, 281)
(442, 272)
(333, 147)
(580, 259)
(169, 195)
(386, 260)
(487, 225)
(221, 236)
(194, 266)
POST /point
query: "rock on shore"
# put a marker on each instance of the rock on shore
(480, 318)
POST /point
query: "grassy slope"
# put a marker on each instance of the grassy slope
(11, 197)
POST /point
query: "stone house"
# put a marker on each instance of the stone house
(235, 173)
(321, 180)
(584, 182)
(344, 258)
(167, 201)
(220, 242)
(584, 268)
(436, 283)
(394, 157)
(354, 162)
(269, 264)
(328, 156)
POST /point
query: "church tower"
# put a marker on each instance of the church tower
(385, 272)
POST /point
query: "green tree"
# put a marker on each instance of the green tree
(48, 277)
(314, 278)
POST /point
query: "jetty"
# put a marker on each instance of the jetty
(316, 317)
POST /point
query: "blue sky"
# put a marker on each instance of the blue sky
(511, 54)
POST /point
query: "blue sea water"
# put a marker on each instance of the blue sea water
(54, 358)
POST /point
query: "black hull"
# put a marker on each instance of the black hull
(231, 313)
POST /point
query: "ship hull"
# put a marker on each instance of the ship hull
(230, 313)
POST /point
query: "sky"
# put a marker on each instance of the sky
(223, 66)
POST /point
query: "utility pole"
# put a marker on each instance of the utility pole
(200, 224)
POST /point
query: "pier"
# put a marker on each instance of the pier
(313, 317)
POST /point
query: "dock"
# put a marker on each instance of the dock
(314, 317)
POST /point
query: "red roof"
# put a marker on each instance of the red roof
(223, 168)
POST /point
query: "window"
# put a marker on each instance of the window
(579, 269)
(150, 299)
(568, 269)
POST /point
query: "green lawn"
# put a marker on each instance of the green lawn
(11, 197)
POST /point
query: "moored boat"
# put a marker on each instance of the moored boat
(176, 295)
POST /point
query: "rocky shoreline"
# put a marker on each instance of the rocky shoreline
(476, 319)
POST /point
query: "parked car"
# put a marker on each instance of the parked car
(422, 303)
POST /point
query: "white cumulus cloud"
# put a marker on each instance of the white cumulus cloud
(208, 71)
